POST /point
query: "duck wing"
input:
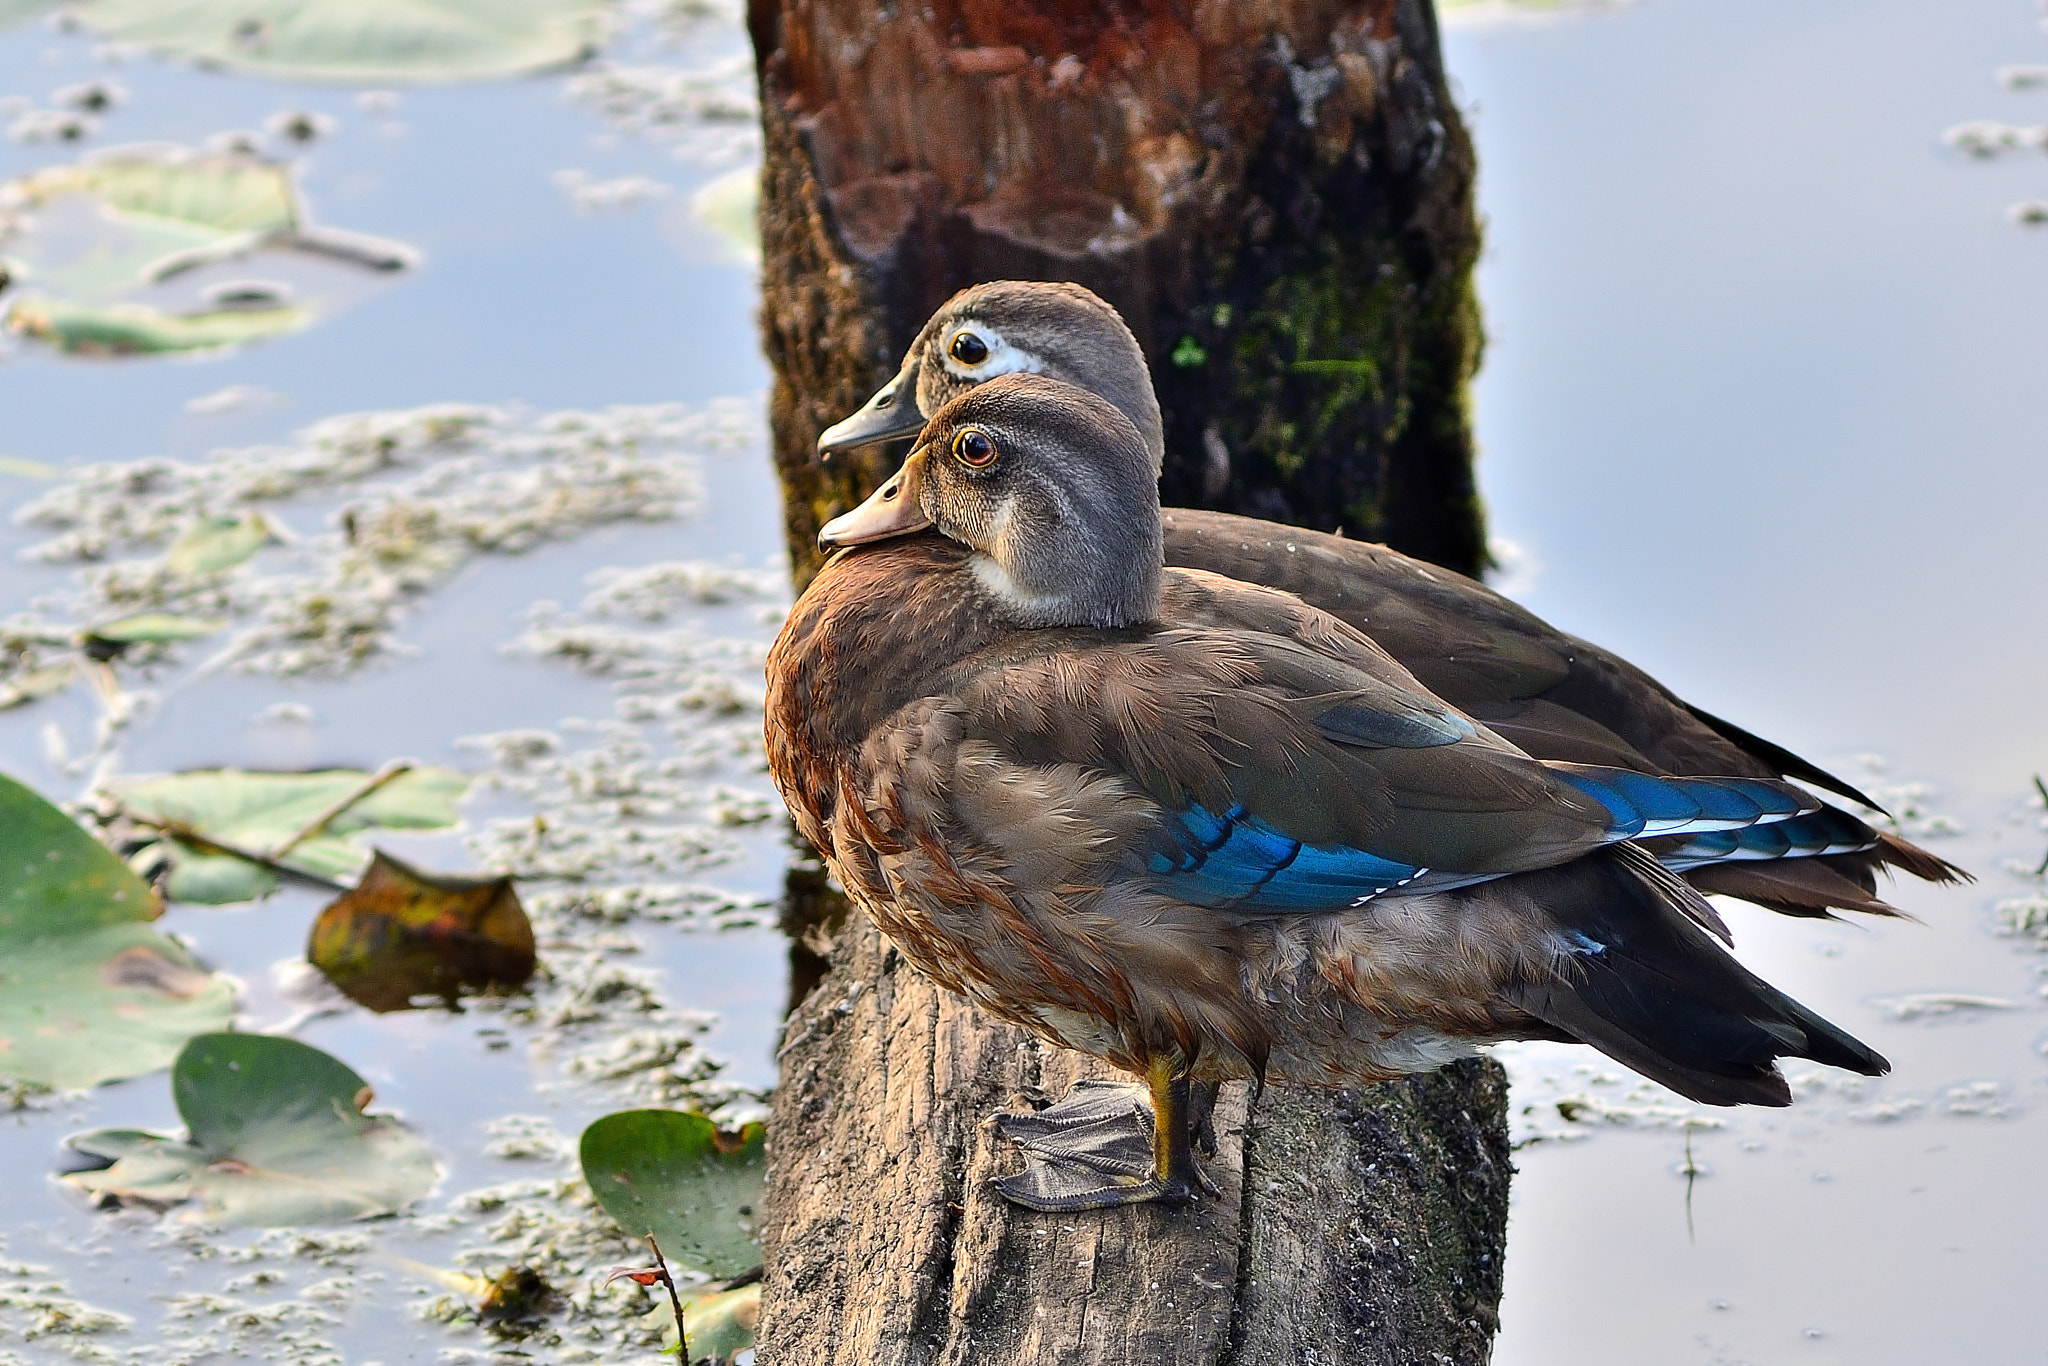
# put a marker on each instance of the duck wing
(1551, 694)
(1296, 770)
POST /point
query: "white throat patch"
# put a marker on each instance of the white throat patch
(1003, 358)
(998, 582)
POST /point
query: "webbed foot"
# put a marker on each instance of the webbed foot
(1100, 1146)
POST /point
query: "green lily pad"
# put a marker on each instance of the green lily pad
(89, 992)
(219, 543)
(137, 330)
(118, 251)
(721, 1326)
(677, 1176)
(276, 1137)
(13, 12)
(28, 469)
(400, 935)
(361, 41)
(730, 207)
(259, 812)
(37, 684)
(154, 628)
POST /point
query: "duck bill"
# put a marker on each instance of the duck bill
(895, 509)
(891, 412)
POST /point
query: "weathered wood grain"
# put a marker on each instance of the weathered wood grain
(1354, 1226)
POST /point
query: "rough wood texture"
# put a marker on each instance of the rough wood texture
(1353, 1226)
(1277, 194)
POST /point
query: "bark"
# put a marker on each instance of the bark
(1364, 1225)
(1278, 197)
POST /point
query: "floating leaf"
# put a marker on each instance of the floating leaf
(28, 469)
(137, 330)
(677, 1176)
(37, 684)
(277, 1137)
(365, 41)
(89, 992)
(128, 250)
(721, 1326)
(153, 628)
(729, 206)
(13, 12)
(262, 812)
(219, 543)
(401, 934)
(201, 877)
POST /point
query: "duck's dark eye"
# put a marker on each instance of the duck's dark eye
(973, 449)
(968, 349)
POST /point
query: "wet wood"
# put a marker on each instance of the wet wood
(1278, 197)
(1352, 1226)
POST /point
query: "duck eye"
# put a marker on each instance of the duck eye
(973, 449)
(968, 349)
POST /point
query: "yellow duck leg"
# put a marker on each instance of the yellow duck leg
(1103, 1145)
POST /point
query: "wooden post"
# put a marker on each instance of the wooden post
(1278, 197)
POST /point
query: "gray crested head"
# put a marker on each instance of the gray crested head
(1008, 327)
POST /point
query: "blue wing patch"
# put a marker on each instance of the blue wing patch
(1826, 831)
(1236, 861)
(1642, 804)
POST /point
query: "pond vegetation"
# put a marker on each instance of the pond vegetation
(390, 861)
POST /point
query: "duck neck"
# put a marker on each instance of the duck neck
(1107, 577)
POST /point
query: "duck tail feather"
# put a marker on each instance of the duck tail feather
(1911, 858)
(1644, 984)
(1780, 758)
(1806, 887)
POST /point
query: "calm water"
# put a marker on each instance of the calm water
(1763, 409)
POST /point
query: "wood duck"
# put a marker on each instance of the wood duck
(1203, 830)
(1552, 694)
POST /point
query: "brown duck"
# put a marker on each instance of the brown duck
(1552, 694)
(1203, 830)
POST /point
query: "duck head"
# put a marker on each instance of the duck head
(1052, 487)
(1005, 328)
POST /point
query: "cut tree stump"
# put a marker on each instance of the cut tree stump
(1364, 1225)
(1278, 198)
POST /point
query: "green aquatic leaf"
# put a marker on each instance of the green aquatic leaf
(361, 41)
(400, 935)
(721, 1326)
(222, 192)
(219, 543)
(138, 330)
(201, 877)
(37, 684)
(89, 991)
(276, 1137)
(112, 244)
(153, 628)
(677, 1176)
(14, 12)
(260, 812)
(730, 207)
(28, 469)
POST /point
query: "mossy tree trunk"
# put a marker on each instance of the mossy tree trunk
(1278, 197)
